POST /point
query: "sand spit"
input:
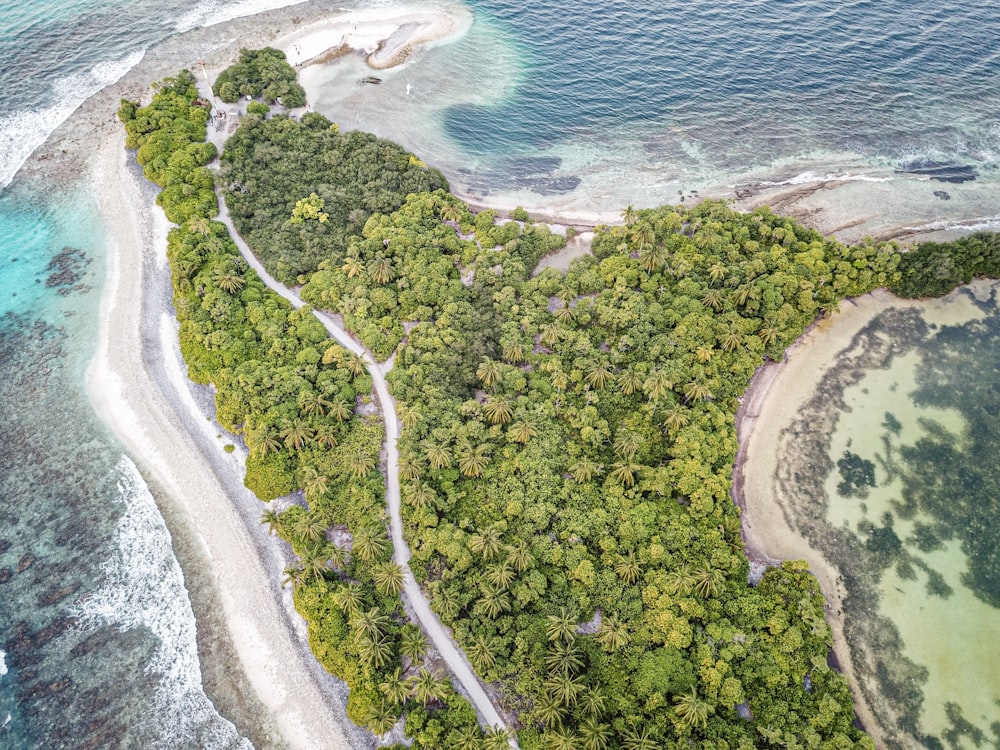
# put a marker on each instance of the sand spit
(138, 386)
(388, 36)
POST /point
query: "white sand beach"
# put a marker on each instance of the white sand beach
(137, 385)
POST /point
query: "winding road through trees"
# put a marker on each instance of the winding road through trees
(413, 598)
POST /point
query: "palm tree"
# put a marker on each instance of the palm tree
(500, 575)
(381, 718)
(370, 544)
(692, 710)
(467, 738)
(636, 739)
(495, 601)
(592, 701)
(768, 334)
(413, 643)
(565, 688)
(497, 410)
(370, 624)
(228, 279)
(487, 542)
(427, 686)
(420, 495)
(340, 410)
(520, 557)
(522, 431)
(375, 652)
(657, 385)
(481, 653)
(272, 518)
(549, 333)
(624, 473)
(201, 225)
(707, 581)
(714, 298)
(496, 738)
(446, 602)
(325, 435)
(628, 568)
(594, 735)
(489, 372)
(388, 578)
(629, 381)
(438, 456)
(513, 353)
(565, 314)
(261, 441)
(314, 483)
(694, 391)
(730, 341)
(642, 235)
(452, 212)
(599, 376)
(314, 564)
(361, 463)
(629, 215)
(627, 444)
(409, 467)
(409, 415)
(311, 402)
(584, 470)
(350, 599)
(353, 363)
(352, 267)
(564, 658)
(676, 418)
(296, 433)
(310, 528)
(472, 462)
(679, 581)
(560, 738)
(653, 256)
(562, 626)
(381, 271)
(550, 711)
(613, 633)
(394, 687)
(293, 575)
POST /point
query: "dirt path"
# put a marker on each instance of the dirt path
(413, 598)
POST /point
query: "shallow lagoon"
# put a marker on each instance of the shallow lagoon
(892, 469)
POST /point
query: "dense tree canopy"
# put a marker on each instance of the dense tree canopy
(567, 442)
(263, 73)
(271, 166)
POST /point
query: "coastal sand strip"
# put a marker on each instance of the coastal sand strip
(140, 397)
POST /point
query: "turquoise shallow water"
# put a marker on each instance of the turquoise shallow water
(620, 101)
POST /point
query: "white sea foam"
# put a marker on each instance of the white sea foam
(211, 12)
(22, 131)
(807, 178)
(143, 588)
(3, 663)
(991, 224)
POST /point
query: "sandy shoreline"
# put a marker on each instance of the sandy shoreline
(137, 386)
(779, 392)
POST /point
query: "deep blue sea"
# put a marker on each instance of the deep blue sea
(623, 101)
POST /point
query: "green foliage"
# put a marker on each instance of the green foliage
(258, 108)
(932, 269)
(270, 165)
(263, 73)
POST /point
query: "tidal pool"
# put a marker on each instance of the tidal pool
(892, 471)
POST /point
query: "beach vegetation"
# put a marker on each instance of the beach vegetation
(567, 446)
(263, 73)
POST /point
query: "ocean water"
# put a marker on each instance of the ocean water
(893, 480)
(558, 105)
(587, 107)
(98, 641)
